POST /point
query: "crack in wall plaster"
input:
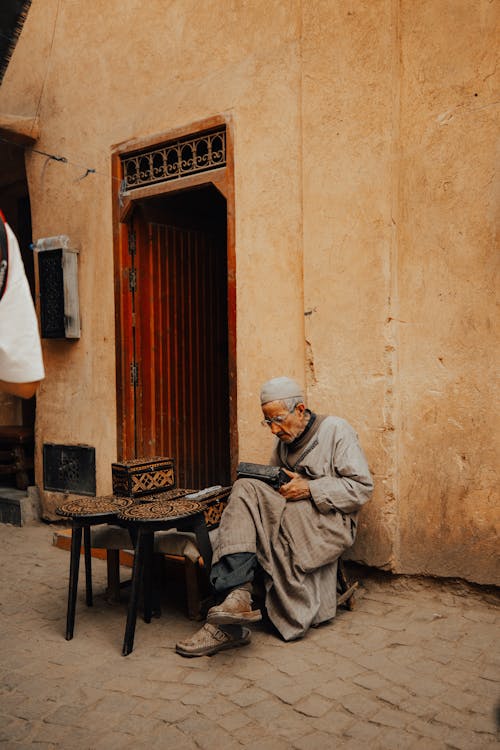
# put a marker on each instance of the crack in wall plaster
(310, 371)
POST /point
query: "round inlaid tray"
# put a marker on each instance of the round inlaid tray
(167, 495)
(161, 511)
(94, 506)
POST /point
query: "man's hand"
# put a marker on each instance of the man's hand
(296, 489)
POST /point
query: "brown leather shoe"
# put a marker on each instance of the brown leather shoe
(236, 609)
(210, 639)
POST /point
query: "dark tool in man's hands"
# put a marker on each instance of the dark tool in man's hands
(272, 475)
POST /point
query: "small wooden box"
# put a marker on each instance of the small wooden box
(214, 505)
(143, 476)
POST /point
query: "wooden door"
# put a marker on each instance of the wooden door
(179, 344)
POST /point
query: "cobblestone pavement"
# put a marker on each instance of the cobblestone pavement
(416, 665)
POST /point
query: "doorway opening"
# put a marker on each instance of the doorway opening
(179, 333)
(17, 415)
(175, 301)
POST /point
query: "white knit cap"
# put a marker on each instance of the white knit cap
(278, 389)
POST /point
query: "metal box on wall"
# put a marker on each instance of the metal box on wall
(58, 285)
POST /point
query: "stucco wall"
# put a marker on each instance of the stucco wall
(364, 227)
(447, 276)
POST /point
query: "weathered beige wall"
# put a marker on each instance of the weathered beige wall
(349, 77)
(399, 266)
(364, 227)
(447, 275)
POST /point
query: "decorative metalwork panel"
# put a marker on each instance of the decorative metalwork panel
(185, 156)
(162, 510)
(94, 506)
(69, 468)
(51, 294)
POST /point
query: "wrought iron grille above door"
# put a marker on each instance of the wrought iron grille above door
(197, 153)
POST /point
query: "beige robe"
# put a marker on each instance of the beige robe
(298, 543)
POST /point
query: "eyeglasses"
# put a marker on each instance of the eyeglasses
(268, 421)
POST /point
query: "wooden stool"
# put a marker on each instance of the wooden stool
(16, 453)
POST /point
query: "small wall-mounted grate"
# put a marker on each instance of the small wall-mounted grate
(190, 155)
(69, 468)
(51, 294)
(58, 276)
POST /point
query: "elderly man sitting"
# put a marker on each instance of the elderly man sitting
(295, 535)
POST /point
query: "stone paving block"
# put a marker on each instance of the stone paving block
(139, 726)
(73, 738)
(365, 732)
(293, 666)
(346, 668)
(485, 688)
(485, 706)
(484, 723)
(11, 700)
(314, 741)
(490, 672)
(336, 689)
(277, 680)
(371, 681)
(407, 655)
(467, 740)
(426, 687)
(193, 724)
(360, 705)
(313, 705)
(248, 696)
(166, 691)
(397, 739)
(268, 743)
(171, 711)
(228, 684)
(215, 739)
(265, 712)
(116, 704)
(113, 740)
(453, 676)
(390, 717)
(429, 729)
(14, 729)
(219, 706)
(167, 737)
(425, 743)
(452, 718)
(14, 680)
(425, 708)
(334, 722)
(253, 669)
(33, 709)
(290, 693)
(458, 699)
(197, 696)
(394, 695)
(291, 725)
(233, 720)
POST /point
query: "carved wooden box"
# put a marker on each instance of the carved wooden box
(138, 477)
(214, 504)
